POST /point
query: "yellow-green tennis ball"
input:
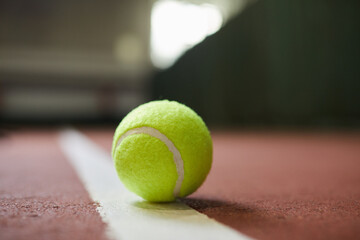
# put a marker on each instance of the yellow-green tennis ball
(162, 150)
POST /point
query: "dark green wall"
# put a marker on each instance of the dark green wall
(279, 62)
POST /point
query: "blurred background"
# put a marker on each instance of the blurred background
(238, 63)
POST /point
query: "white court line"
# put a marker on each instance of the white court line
(127, 215)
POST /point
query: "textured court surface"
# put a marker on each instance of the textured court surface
(267, 185)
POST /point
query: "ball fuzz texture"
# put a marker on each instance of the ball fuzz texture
(162, 150)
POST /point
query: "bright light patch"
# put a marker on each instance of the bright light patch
(177, 26)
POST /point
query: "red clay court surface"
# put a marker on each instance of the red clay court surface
(267, 185)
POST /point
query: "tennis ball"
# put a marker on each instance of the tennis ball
(162, 150)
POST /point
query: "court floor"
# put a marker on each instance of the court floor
(263, 184)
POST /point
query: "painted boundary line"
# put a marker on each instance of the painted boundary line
(127, 215)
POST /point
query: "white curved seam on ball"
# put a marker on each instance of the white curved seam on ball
(170, 145)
